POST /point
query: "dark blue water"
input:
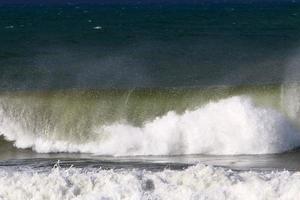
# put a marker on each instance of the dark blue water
(103, 46)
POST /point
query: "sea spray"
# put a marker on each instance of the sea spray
(234, 125)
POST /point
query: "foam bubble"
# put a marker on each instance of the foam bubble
(197, 182)
(230, 126)
(97, 27)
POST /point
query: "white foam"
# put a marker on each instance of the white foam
(229, 126)
(97, 27)
(198, 182)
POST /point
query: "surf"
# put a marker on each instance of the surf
(213, 121)
(196, 182)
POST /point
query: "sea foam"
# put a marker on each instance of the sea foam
(230, 126)
(196, 182)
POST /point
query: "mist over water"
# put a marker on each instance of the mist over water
(290, 88)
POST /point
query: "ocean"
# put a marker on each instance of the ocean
(197, 100)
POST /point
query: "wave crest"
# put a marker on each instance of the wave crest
(230, 126)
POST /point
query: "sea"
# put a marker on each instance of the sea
(150, 100)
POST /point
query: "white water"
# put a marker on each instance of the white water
(230, 126)
(198, 182)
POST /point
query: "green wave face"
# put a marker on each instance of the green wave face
(258, 119)
(73, 114)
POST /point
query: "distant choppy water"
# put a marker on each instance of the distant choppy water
(150, 101)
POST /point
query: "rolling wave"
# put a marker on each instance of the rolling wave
(219, 121)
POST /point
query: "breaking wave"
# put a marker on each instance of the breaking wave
(224, 126)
